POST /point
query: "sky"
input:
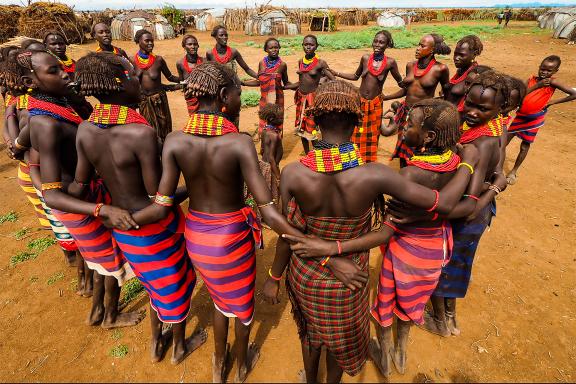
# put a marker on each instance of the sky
(128, 4)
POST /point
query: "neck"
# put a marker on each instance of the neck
(116, 98)
(424, 61)
(461, 70)
(104, 47)
(310, 55)
(337, 134)
(192, 57)
(220, 47)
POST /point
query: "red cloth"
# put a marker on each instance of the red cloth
(536, 100)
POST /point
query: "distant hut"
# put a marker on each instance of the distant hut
(390, 20)
(8, 27)
(41, 16)
(271, 22)
(323, 20)
(554, 18)
(567, 30)
(352, 17)
(207, 20)
(125, 26)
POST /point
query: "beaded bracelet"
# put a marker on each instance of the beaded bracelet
(97, 209)
(325, 261)
(272, 276)
(339, 244)
(494, 188)
(48, 186)
(165, 201)
(390, 225)
(473, 197)
(436, 201)
(265, 204)
(471, 168)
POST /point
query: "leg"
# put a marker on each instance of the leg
(112, 318)
(159, 341)
(402, 332)
(221, 347)
(247, 355)
(450, 307)
(85, 277)
(524, 148)
(97, 312)
(306, 145)
(436, 323)
(509, 138)
(72, 258)
(334, 371)
(311, 358)
(386, 350)
(184, 347)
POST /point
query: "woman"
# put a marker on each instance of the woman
(187, 65)
(373, 69)
(101, 32)
(467, 49)
(223, 54)
(56, 43)
(149, 69)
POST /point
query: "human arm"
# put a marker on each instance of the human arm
(395, 72)
(167, 73)
(10, 132)
(396, 95)
(242, 63)
(285, 82)
(444, 77)
(251, 83)
(570, 92)
(326, 71)
(180, 72)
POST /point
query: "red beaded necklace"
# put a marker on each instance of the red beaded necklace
(308, 65)
(376, 72)
(222, 59)
(209, 124)
(415, 68)
(491, 129)
(38, 107)
(186, 64)
(455, 80)
(144, 61)
(445, 162)
(109, 115)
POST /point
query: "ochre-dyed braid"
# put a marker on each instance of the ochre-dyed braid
(442, 118)
(270, 112)
(336, 96)
(96, 73)
(208, 78)
(496, 81)
(474, 44)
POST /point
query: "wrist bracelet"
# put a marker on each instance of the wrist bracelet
(339, 244)
(97, 209)
(471, 168)
(325, 261)
(272, 276)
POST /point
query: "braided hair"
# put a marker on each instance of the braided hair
(5, 52)
(138, 35)
(28, 42)
(208, 78)
(516, 93)
(497, 82)
(474, 44)
(14, 69)
(442, 118)
(336, 96)
(388, 36)
(440, 46)
(271, 114)
(97, 73)
(54, 33)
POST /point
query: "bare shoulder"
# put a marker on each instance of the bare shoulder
(46, 123)
(411, 173)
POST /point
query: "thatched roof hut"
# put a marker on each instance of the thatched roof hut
(556, 17)
(352, 17)
(8, 27)
(40, 17)
(323, 20)
(125, 26)
(209, 19)
(271, 22)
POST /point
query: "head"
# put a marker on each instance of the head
(272, 47)
(395, 105)
(431, 45)
(474, 73)
(41, 72)
(272, 114)
(466, 51)
(145, 41)
(516, 93)
(549, 66)
(56, 43)
(106, 76)
(32, 45)
(336, 104)
(101, 32)
(217, 88)
(382, 40)
(432, 123)
(190, 45)
(486, 98)
(8, 52)
(220, 34)
(309, 45)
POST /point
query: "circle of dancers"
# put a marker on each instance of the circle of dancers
(104, 178)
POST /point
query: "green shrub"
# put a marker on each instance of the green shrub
(250, 98)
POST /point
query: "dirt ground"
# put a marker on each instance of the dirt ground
(518, 321)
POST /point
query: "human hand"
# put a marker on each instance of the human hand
(499, 180)
(311, 246)
(348, 272)
(545, 82)
(271, 289)
(117, 218)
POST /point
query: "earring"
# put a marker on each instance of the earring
(127, 75)
(423, 149)
(29, 90)
(118, 80)
(223, 109)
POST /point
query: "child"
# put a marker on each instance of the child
(223, 54)
(389, 114)
(532, 114)
(187, 65)
(101, 32)
(271, 146)
(56, 43)
(374, 70)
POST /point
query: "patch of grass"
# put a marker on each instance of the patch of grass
(34, 279)
(21, 257)
(11, 216)
(55, 278)
(250, 43)
(130, 291)
(119, 351)
(116, 334)
(250, 98)
(41, 244)
(20, 234)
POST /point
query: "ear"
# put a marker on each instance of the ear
(430, 137)
(223, 95)
(28, 81)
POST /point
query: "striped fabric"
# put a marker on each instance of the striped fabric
(222, 247)
(326, 312)
(157, 254)
(526, 127)
(94, 240)
(271, 91)
(25, 182)
(455, 276)
(65, 240)
(401, 150)
(367, 134)
(411, 266)
(305, 126)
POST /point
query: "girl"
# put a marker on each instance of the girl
(465, 53)
(187, 65)
(56, 43)
(373, 69)
(101, 32)
(223, 54)
(149, 69)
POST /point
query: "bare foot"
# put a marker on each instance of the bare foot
(451, 324)
(511, 178)
(251, 360)
(124, 320)
(302, 376)
(383, 363)
(192, 343)
(96, 316)
(399, 359)
(219, 368)
(435, 326)
(159, 346)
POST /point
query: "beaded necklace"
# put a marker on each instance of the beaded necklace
(273, 128)
(377, 72)
(9, 100)
(109, 115)
(186, 64)
(461, 78)
(443, 162)
(222, 59)
(415, 68)
(144, 61)
(115, 50)
(306, 65)
(68, 64)
(491, 129)
(22, 102)
(325, 157)
(271, 65)
(209, 124)
(57, 108)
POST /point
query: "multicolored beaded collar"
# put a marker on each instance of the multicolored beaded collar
(115, 50)
(491, 129)
(443, 162)
(306, 65)
(59, 109)
(110, 115)
(209, 124)
(326, 158)
(143, 60)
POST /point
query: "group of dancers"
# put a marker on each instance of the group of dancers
(104, 178)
